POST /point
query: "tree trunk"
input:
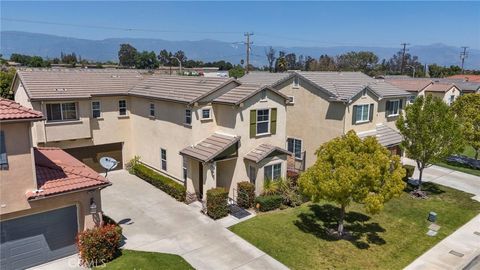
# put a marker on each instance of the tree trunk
(340, 220)
(420, 179)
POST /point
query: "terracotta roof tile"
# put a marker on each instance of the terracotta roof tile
(58, 172)
(468, 78)
(439, 87)
(10, 110)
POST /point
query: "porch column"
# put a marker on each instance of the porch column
(210, 177)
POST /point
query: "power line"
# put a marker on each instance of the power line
(248, 44)
(403, 56)
(463, 55)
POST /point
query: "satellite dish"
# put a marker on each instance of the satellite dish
(108, 164)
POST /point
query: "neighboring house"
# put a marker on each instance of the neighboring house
(325, 105)
(413, 86)
(202, 132)
(446, 91)
(466, 78)
(46, 195)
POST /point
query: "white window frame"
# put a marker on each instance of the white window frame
(263, 121)
(163, 160)
(61, 111)
(209, 114)
(397, 101)
(368, 114)
(99, 109)
(273, 171)
(296, 82)
(122, 107)
(295, 142)
(188, 115)
(151, 110)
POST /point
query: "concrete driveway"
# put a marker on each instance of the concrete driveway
(153, 221)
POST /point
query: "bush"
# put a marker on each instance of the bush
(269, 202)
(109, 221)
(410, 170)
(245, 194)
(164, 183)
(98, 245)
(217, 204)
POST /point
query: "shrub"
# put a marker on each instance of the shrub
(164, 183)
(410, 170)
(98, 245)
(245, 194)
(134, 161)
(109, 221)
(269, 187)
(217, 204)
(269, 202)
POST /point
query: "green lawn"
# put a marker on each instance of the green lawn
(469, 152)
(139, 260)
(390, 240)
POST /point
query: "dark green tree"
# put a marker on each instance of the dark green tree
(6, 80)
(127, 55)
(467, 107)
(146, 60)
(236, 72)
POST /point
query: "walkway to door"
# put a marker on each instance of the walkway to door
(153, 221)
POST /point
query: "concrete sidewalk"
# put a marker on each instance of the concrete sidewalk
(153, 221)
(450, 178)
(465, 241)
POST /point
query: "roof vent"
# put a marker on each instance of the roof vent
(61, 89)
(115, 76)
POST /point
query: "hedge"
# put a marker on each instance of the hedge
(410, 170)
(98, 245)
(245, 194)
(164, 183)
(268, 202)
(217, 204)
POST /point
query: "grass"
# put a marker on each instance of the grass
(469, 152)
(140, 260)
(392, 239)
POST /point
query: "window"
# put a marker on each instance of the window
(185, 171)
(273, 171)
(362, 113)
(295, 146)
(263, 121)
(252, 174)
(296, 82)
(96, 110)
(393, 107)
(61, 111)
(163, 157)
(122, 107)
(411, 99)
(206, 114)
(3, 152)
(291, 99)
(451, 99)
(152, 109)
(188, 116)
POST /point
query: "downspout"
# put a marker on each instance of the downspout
(44, 123)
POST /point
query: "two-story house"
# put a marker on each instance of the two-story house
(46, 195)
(203, 132)
(324, 105)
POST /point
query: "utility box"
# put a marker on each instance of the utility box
(432, 217)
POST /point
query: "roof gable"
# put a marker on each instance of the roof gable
(11, 111)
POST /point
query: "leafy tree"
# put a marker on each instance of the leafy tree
(146, 60)
(324, 63)
(357, 61)
(431, 132)
(281, 63)
(236, 72)
(291, 60)
(349, 169)
(394, 65)
(6, 80)
(437, 71)
(68, 58)
(467, 107)
(270, 53)
(127, 55)
(165, 57)
(181, 56)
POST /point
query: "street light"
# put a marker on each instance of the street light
(412, 67)
(179, 62)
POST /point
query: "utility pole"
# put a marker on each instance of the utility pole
(248, 43)
(403, 56)
(463, 55)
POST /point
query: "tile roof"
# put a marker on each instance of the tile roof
(10, 110)
(264, 77)
(77, 83)
(178, 88)
(469, 78)
(264, 150)
(439, 87)
(210, 147)
(58, 172)
(385, 135)
(409, 84)
(461, 84)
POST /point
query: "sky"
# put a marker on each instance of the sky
(290, 24)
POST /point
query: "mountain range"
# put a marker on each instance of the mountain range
(51, 46)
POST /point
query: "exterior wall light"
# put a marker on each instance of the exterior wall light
(93, 206)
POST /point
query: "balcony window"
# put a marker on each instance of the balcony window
(122, 107)
(61, 111)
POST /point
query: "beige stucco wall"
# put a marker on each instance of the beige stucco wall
(445, 96)
(19, 178)
(80, 199)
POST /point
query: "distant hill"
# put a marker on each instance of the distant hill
(206, 50)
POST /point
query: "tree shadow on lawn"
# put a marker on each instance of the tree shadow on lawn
(323, 219)
(430, 188)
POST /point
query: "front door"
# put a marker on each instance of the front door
(200, 180)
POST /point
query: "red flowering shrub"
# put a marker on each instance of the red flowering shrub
(99, 245)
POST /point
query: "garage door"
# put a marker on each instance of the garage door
(90, 155)
(37, 239)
